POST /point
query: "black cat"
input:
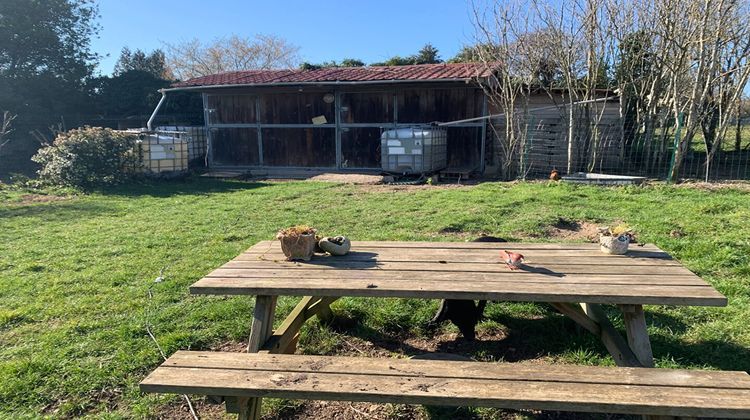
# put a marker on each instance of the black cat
(464, 314)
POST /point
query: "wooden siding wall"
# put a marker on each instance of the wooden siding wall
(597, 145)
(274, 127)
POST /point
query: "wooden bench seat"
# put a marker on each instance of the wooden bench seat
(665, 392)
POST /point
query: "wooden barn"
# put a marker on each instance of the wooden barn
(331, 119)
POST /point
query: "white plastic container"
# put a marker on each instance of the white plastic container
(414, 150)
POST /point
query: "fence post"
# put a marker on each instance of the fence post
(677, 131)
(526, 145)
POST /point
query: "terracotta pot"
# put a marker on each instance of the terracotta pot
(617, 245)
(299, 247)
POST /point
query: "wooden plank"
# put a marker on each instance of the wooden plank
(509, 291)
(391, 385)
(482, 256)
(445, 266)
(490, 278)
(635, 328)
(450, 369)
(573, 256)
(356, 245)
(262, 327)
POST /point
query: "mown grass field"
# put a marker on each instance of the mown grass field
(75, 276)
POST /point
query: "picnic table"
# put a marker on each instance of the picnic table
(575, 279)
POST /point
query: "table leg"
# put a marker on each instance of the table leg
(261, 330)
(635, 328)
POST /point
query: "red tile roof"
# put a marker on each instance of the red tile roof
(417, 72)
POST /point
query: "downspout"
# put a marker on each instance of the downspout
(156, 110)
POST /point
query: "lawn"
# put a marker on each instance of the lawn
(77, 277)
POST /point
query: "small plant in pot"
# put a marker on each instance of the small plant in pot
(615, 240)
(297, 242)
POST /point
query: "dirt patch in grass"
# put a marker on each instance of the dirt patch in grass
(359, 179)
(714, 186)
(457, 233)
(315, 410)
(231, 347)
(570, 230)
(409, 188)
(178, 409)
(40, 198)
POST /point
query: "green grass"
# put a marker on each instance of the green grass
(75, 277)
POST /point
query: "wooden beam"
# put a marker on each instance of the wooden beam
(613, 341)
(637, 333)
(576, 314)
(593, 318)
(672, 392)
(288, 332)
(322, 308)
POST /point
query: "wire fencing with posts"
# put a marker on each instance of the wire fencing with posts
(603, 142)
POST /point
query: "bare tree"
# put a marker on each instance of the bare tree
(195, 58)
(5, 129)
(498, 30)
(671, 61)
(581, 43)
(743, 111)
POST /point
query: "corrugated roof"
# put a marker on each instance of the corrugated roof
(417, 72)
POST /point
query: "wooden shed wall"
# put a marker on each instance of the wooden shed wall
(296, 127)
(597, 141)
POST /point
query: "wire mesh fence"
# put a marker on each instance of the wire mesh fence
(196, 139)
(601, 142)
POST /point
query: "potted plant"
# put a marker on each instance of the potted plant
(615, 240)
(297, 242)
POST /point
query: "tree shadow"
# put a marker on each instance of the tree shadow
(711, 353)
(524, 339)
(354, 259)
(56, 212)
(639, 253)
(185, 186)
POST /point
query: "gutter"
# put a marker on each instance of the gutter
(331, 83)
(156, 110)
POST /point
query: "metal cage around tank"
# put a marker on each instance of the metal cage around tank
(414, 150)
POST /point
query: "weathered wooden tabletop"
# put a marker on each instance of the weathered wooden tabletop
(467, 270)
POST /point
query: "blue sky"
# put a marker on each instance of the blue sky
(324, 29)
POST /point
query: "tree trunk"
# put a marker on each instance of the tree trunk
(571, 133)
(738, 132)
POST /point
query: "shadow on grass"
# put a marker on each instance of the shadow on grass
(56, 212)
(552, 334)
(714, 354)
(184, 186)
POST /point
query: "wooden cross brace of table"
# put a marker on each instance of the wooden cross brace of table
(575, 279)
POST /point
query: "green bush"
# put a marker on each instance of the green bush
(89, 157)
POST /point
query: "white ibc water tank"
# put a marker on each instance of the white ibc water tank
(414, 150)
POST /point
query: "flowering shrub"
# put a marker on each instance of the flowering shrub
(89, 157)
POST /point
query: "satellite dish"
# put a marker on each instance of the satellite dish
(329, 98)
